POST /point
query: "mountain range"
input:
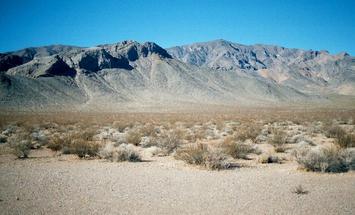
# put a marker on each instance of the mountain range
(130, 75)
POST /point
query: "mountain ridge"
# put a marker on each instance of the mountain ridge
(133, 74)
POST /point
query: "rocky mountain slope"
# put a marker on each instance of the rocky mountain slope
(308, 71)
(128, 75)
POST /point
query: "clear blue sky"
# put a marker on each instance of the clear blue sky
(317, 25)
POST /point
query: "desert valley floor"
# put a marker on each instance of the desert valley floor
(244, 162)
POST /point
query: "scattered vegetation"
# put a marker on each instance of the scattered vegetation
(224, 135)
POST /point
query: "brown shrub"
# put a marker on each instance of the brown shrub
(250, 132)
(82, 148)
(121, 153)
(335, 132)
(21, 144)
(278, 141)
(237, 149)
(200, 154)
(134, 136)
(170, 141)
(75, 143)
(342, 138)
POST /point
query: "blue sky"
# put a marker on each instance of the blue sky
(317, 25)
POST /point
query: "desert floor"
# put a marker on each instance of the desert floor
(50, 184)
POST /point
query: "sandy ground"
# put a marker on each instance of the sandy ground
(162, 185)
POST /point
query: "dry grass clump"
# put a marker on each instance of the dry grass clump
(237, 149)
(278, 141)
(123, 152)
(327, 159)
(199, 154)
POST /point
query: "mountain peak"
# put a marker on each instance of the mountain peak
(132, 50)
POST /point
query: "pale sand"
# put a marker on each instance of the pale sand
(167, 186)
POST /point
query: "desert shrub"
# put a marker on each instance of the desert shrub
(216, 160)
(76, 143)
(86, 135)
(148, 130)
(82, 148)
(327, 159)
(193, 154)
(3, 138)
(170, 141)
(265, 158)
(346, 141)
(21, 144)
(278, 141)
(299, 190)
(200, 154)
(237, 149)
(122, 125)
(39, 138)
(22, 149)
(134, 136)
(334, 131)
(123, 152)
(250, 132)
(56, 143)
(342, 138)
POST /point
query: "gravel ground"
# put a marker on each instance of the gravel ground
(59, 185)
